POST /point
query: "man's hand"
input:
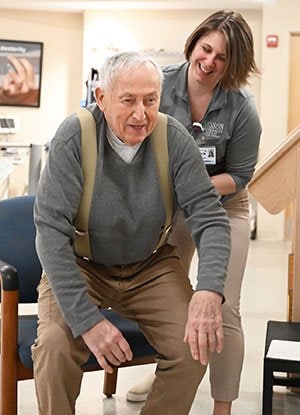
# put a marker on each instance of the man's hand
(204, 327)
(108, 344)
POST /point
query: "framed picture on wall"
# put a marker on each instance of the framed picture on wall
(20, 73)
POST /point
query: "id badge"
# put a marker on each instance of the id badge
(208, 154)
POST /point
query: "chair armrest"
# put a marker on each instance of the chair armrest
(9, 301)
(9, 277)
(9, 295)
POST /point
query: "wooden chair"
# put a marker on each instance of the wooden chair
(20, 272)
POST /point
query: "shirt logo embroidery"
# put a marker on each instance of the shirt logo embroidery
(213, 129)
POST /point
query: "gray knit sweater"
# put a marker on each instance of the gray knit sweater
(127, 213)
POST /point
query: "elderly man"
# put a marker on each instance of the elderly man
(126, 273)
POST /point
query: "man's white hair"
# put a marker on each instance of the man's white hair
(118, 62)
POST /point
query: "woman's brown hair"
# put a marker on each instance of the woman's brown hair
(240, 62)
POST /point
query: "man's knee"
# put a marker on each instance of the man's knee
(51, 343)
(56, 346)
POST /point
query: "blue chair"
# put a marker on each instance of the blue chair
(20, 272)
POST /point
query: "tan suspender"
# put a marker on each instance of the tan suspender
(160, 148)
(89, 163)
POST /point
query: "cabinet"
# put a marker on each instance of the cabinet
(16, 153)
(6, 168)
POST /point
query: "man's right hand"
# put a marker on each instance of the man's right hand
(204, 328)
(108, 344)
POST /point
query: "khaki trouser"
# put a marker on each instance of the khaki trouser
(156, 294)
(225, 368)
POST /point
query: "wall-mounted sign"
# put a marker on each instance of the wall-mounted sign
(20, 73)
(272, 41)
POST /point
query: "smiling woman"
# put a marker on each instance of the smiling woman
(206, 94)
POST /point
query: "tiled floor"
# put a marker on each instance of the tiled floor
(263, 298)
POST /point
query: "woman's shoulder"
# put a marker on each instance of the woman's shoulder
(173, 70)
(241, 99)
(240, 95)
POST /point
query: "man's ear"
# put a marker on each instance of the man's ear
(99, 96)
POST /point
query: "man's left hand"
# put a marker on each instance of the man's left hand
(204, 327)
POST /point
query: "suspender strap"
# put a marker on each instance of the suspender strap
(160, 148)
(89, 162)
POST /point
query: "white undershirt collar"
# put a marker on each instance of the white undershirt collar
(125, 151)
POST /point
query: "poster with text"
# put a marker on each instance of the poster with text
(20, 73)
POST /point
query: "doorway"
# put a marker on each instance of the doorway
(293, 111)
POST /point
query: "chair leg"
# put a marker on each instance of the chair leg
(110, 383)
(267, 398)
(9, 401)
(9, 341)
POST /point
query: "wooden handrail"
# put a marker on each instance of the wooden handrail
(274, 182)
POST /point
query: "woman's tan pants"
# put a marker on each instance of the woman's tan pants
(156, 294)
(225, 368)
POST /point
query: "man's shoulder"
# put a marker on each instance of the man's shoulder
(71, 127)
(95, 110)
(177, 134)
(175, 123)
(68, 132)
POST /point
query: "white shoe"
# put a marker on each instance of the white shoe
(139, 392)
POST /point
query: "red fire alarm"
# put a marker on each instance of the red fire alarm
(272, 41)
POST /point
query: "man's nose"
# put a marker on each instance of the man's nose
(139, 111)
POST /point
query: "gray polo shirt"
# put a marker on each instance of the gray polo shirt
(231, 124)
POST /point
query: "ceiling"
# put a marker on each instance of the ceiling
(80, 6)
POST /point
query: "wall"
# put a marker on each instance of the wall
(70, 38)
(152, 30)
(61, 34)
(168, 29)
(282, 18)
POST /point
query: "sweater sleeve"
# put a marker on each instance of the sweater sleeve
(57, 200)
